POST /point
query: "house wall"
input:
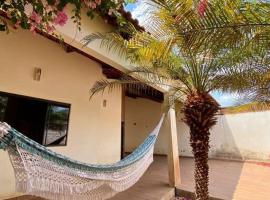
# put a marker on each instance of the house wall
(94, 131)
(71, 35)
(243, 136)
(141, 117)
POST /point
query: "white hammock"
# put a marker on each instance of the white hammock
(41, 172)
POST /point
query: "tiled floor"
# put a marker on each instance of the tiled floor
(228, 180)
(232, 180)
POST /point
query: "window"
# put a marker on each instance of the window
(43, 121)
(56, 125)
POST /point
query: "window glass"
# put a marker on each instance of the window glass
(56, 125)
(3, 106)
(43, 121)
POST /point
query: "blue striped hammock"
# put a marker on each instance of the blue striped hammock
(42, 172)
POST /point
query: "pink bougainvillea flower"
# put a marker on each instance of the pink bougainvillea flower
(49, 8)
(92, 5)
(50, 29)
(87, 3)
(110, 11)
(36, 17)
(202, 7)
(33, 28)
(28, 8)
(61, 18)
(98, 2)
(17, 24)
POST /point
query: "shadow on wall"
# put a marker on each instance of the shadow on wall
(222, 141)
(224, 175)
(242, 136)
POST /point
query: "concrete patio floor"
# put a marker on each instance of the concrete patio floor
(228, 180)
(231, 179)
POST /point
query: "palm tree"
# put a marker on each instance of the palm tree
(190, 49)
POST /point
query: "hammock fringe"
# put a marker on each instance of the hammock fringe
(41, 172)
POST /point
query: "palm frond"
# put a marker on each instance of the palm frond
(222, 23)
(102, 85)
(225, 48)
(137, 86)
(111, 41)
(248, 107)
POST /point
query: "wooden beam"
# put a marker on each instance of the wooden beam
(154, 96)
(150, 93)
(110, 72)
(172, 154)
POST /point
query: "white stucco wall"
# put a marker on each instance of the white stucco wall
(141, 117)
(243, 136)
(94, 131)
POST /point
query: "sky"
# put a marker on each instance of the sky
(136, 10)
(131, 6)
(224, 99)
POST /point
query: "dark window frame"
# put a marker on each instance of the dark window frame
(49, 102)
(5, 105)
(45, 127)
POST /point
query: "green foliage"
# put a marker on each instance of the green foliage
(20, 12)
(250, 107)
(2, 27)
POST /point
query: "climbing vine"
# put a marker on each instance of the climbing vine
(45, 15)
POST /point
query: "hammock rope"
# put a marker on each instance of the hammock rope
(41, 172)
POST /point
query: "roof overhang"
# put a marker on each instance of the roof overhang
(113, 67)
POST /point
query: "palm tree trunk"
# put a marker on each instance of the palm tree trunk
(200, 149)
(200, 112)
